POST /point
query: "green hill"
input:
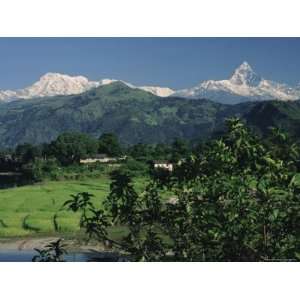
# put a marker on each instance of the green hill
(284, 115)
(134, 115)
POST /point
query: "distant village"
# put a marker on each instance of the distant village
(103, 158)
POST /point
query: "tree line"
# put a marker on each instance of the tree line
(63, 154)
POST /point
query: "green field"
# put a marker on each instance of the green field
(30, 210)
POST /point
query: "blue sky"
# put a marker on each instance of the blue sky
(173, 62)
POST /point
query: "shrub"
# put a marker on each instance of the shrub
(135, 167)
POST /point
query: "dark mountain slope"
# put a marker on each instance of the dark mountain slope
(134, 115)
(284, 115)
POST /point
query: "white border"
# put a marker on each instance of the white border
(149, 18)
(149, 281)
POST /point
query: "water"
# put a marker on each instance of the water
(27, 255)
(10, 180)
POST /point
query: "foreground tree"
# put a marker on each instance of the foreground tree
(52, 252)
(236, 201)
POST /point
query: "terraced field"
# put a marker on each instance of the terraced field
(36, 209)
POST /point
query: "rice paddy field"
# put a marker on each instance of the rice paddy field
(36, 210)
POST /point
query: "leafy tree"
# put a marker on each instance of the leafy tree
(42, 169)
(7, 163)
(109, 144)
(135, 167)
(162, 151)
(69, 147)
(27, 152)
(236, 201)
(180, 149)
(141, 152)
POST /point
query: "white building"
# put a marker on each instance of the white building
(102, 158)
(162, 164)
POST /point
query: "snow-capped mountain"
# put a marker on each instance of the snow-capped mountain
(52, 84)
(7, 95)
(158, 91)
(243, 85)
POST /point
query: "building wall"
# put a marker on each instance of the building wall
(164, 166)
(101, 160)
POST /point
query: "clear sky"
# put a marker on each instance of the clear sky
(173, 62)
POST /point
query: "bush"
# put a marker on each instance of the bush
(51, 169)
(41, 169)
(135, 167)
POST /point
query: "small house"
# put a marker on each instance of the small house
(102, 158)
(162, 164)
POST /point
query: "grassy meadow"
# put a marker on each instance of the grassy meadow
(36, 209)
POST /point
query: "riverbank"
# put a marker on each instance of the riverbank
(30, 243)
(23, 250)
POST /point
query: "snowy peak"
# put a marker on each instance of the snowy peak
(158, 91)
(58, 76)
(244, 85)
(106, 81)
(7, 95)
(52, 84)
(244, 75)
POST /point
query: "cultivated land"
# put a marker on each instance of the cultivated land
(36, 210)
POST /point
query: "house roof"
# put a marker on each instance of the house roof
(99, 156)
(161, 162)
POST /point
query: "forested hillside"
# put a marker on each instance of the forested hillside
(134, 116)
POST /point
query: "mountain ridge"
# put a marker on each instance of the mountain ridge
(56, 84)
(243, 85)
(134, 115)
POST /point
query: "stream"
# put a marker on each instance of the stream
(27, 255)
